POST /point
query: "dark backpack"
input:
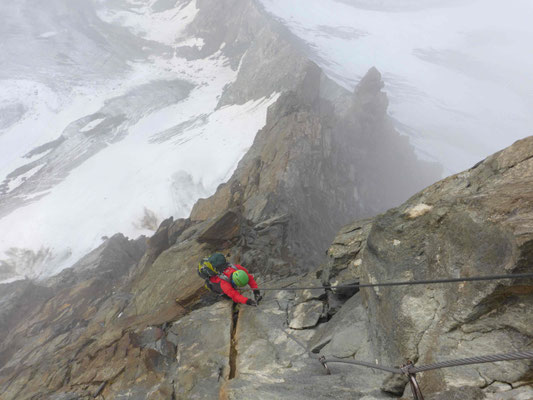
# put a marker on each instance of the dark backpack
(213, 266)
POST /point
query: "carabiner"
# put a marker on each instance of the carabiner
(324, 364)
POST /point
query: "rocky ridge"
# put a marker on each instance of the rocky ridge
(122, 345)
(135, 322)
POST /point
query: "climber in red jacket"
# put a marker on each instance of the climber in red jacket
(238, 277)
(225, 278)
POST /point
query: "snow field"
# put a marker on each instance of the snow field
(112, 190)
(165, 27)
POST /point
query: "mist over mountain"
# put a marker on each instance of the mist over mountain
(400, 5)
(457, 72)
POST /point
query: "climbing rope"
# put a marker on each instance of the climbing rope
(406, 283)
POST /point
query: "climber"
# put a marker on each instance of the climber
(224, 278)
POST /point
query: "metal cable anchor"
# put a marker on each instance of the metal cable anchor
(324, 364)
(415, 388)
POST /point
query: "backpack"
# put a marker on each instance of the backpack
(213, 266)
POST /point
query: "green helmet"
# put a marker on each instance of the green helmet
(240, 278)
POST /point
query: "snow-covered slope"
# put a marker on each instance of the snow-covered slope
(458, 72)
(104, 128)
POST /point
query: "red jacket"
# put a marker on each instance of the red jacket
(228, 289)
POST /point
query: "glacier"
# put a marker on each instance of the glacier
(103, 140)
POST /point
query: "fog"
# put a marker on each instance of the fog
(458, 73)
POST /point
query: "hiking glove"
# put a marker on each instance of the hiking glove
(250, 302)
(257, 295)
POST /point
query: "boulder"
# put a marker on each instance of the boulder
(306, 315)
(223, 229)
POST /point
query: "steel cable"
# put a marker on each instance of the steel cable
(518, 355)
(405, 283)
(364, 364)
(411, 369)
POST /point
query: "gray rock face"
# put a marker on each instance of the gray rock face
(272, 365)
(43, 322)
(474, 223)
(471, 224)
(203, 340)
(345, 335)
(112, 260)
(16, 301)
(522, 393)
(344, 256)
